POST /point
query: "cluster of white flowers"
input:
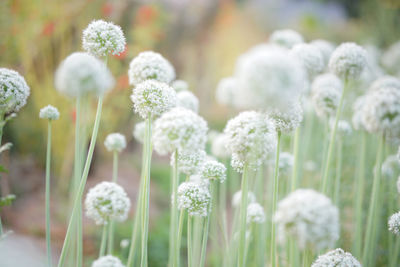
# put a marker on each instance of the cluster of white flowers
(115, 142)
(287, 121)
(81, 73)
(326, 90)
(181, 129)
(218, 146)
(189, 162)
(391, 58)
(309, 217)
(150, 66)
(310, 57)
(153, 98)
(286, 161)
(213, 170)
(180, 85)
(286, 38)
(343, 127)
(225, 92)
(326, 48)
(336, 258)
(195, 197)
(187, 99)
(107, 201)
(101, 38)
(49, 112)
(394, 223)
(385, 81)
(139, 131)
(13, 91)
(255, 213)
(237, 198)
(251, 136)
(107, 261)
(390, 167)
(348, 61)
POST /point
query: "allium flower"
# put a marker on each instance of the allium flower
(309, 217)
(325, 101)
(343, 127)
(326, 48)
(286, 38)
(336, 258)
(310, 57)
(107, 261)
(181, 129)
(49, 112)
(107, 201)
(13, 91)
(327, 80)
(348, 61)
(82, 73)
(213, 170)
(225, 92)
(189, 162)
(124, 243)
(381, 112)
(150, 66)
(394, 223)
(180, 85)
(286, 161)
(391, 58)
(218, 147)
(385, 81)
(101, 38)
(195, 198)
(358, 108)
(237, 198)
(390, 167)
(139, 131)
(255, 213)
(287, 121)
(153, 98)
(187, 99)
(115, 142)
(251, 136)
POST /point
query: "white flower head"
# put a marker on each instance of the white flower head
(195, 197)
(286, 161)
(385, 81)
(327, 80)
(153, 98)
(150, 66)
(237, 198)
(14, 91)
(309, 217)
(325, 101)
(390, 167)
(310, 57)
(115, 142)
(288, 120)
(124, 243)
(391, 58)
(180, 85)
(326, 48)
(218, 147)
(251, 136)
(107, 261)
(187, 99)
(358, 107)
(101, 38)
(49, 112)
(139, 131)
(336, 258)
(107, 201)
(394, 223)
(255, 213)
(348, 61)
(213, 170)
(81, 73)
(180, 129)
(286, 38)
(189, 161)
(343, 127)
(225, 92)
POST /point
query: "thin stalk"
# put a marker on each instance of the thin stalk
(115, 166)
(110, 246)
(205, 231)
(336, 196)
(78, 197)
(103, 241)
(332, 139)
(48, 162)
(307, 257)
(293, 183)
(189, 242)
(174, 211)
(395, 255)
(274, 201)
(243, 215)
(180, 230)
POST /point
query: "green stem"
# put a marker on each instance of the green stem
(296, 159)
(336, 197)
(174, 212)
(135, 230)
(115, 166)
(189, 242)
(78, 197)
(205, 232)
(103, 241)
(307, 257)
(395, 254)
(110, 247)
(243, 215)
(274, 201)
(48, 162)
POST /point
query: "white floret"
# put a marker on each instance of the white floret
(49, 112)
(14, 91)
(115, 142)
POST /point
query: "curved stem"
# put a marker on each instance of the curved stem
(47, 195)
(243, 215)
(103, 241)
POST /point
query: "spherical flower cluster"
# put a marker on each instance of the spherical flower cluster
(139, 131)
(49, 112)
(385, 81)
(381, 112)
(195, 197)
(13, 91)
(394, 223)
(218, 147)
(181, 129)
(287, 121)
(115, 142)
(309, 217)
(82, 73)
(336, 258)
(310, 57)
(225, 92)
(327, 80)
(325, 101)
(326, 48)
(251, 136)
(213, 170)
(348, 61)
(189, 162)
(152, 98)
(237, 198)
(255, 213)
(150, 66)
(390, 167)
(358, 107)
(286, 161)
(391, 58)
(107, 201)
(187, 99)
(180, 85)
(107, 261)
(101, 38)
(286, 38)
(343, 127)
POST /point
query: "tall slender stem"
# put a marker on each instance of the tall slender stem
(296, 159)
(174, 211)
(205, 231)
(48, 162)
(115, 166)
(103, 241)
(336, 196)
(189, 242)
(110, 246)
(243, 215)
(274, 201)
